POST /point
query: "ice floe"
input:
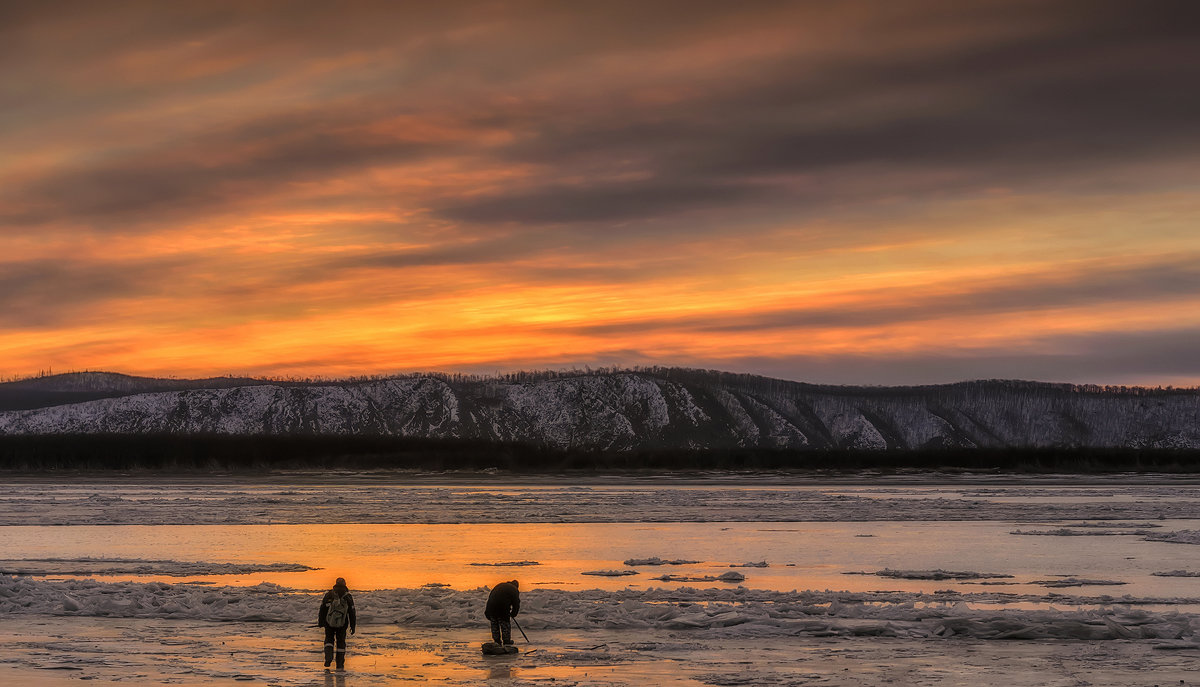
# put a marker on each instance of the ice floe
(1065, 532)
(724, 577)
(137, 566)
(658, 561)
(1077, 582)
(932, 574)
(1114, 525)
(1173, 537)
(507, 564)
(1176, 537)
(760, 564)
(609, 573)
(1177, 573)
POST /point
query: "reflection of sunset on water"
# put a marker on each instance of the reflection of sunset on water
(800, 555)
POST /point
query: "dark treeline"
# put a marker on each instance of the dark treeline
(260, 453)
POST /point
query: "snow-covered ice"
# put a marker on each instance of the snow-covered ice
(43, 650)
(721, 612)
(485, 498)
(137, 566)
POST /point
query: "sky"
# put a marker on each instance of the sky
(834, 192)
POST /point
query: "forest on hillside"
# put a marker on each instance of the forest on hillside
(266, 453)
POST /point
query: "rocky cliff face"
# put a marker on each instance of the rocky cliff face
(635, 410)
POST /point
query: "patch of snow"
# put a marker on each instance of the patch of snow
(857, 432)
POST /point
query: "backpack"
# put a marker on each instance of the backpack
(339, 611)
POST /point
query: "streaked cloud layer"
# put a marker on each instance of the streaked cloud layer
(870, 192)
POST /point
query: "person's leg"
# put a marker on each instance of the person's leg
(495, 629)
(341, 647)
(329, 632)
(506, 631)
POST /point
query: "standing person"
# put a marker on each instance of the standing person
(503, 603)
(336, 615)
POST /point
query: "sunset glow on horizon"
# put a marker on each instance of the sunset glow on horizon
(863, 193)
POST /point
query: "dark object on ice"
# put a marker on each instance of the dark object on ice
(494, 649)
(503, 603)
(337, 614)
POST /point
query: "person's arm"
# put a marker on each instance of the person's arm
(353, 614)
(324, 609)
(516, 604)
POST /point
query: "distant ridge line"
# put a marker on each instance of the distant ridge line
(614, 410)
(77, 380)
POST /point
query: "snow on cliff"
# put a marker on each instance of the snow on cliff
(638, 410)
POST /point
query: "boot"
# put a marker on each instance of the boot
(328, 654)
(341, 660)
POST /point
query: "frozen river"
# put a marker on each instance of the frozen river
(923, 565)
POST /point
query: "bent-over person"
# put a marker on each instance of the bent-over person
(503, 604)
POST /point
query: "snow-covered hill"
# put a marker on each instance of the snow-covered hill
(626, 410)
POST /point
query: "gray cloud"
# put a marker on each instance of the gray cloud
(609, 202)
(1033, 106)
(1133, 358)
(589, 131)
(150, 188)
(1100, 284)
(49, 293)
(1019, 94)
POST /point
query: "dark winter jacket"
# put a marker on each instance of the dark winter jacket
(329, 596)
(503, 602)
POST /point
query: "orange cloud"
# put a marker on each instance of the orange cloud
(221, 189)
